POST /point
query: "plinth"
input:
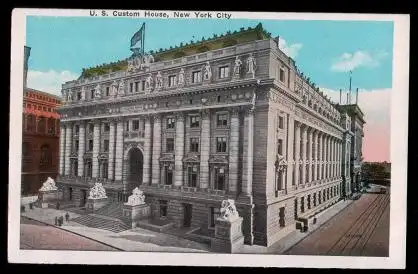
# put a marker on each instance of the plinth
(228, 236)
(95, 204)
(135, 213)
(46, 196)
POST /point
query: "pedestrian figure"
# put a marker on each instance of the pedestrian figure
(58, 205)
(61, 220)
(67, 217)
(56, 220)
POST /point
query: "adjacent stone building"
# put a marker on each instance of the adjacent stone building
(229, 117)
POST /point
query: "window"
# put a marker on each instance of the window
(215, 212)
(78, 96)
(131, 87)
(282, 218)
(90, 146)
(281, 122)
(196, 76)
(172, 80)
(223, 72)
(105, 170)
(302, 204)
(106, 127)
(106, 145)
(280, 146)
(136, 86)
(25, 149)
(219, 178)
(192, 176)
(30, 123)
(221, 144)
(171, 122)
(77, 129)
(281, 75)
(91, 128)
(169, 144)
(44, 108)
(42, 125)
(222, 120)
(107, 91)
(314, 199)
(92, 94)
(169, 175)
(191, 102)
(76, 145)
(309, 201)
(49, 109)
(194, 121)
(135, 125)
(45, 155)
(218, 99)
(163, 208)
(143, 86)
(194, 144)
(89, 169)
(127, 126)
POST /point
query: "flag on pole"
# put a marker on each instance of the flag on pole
(138, 36)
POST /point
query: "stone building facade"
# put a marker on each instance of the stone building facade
(236, 122)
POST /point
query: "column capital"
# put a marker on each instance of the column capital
(205, 113)
(147, 117)
(156, 117)
(180, 116)
(235, 111)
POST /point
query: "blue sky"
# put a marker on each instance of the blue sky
(71, 43)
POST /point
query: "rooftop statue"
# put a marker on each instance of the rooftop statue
(237, 66)
(48, 185)
(121, 89)
(137, 198)
(181, 77)
(159, 81)
(114, 89)
(97, 191)
(207, 72)
(69, 95)
(131, 65)
(98, 91)
(228, 210)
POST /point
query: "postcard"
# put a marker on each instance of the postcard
(144, 137)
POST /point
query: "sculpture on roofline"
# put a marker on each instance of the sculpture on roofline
(69, 95)
(114, 89)
(228, 210)
(48, 185)
(121, 89)
(251, 65)
(149, 82)
(137, 198)
(237, 66)
(181, 77)
(97, 191)
(98, 91)
(131, 65)
(159, 81)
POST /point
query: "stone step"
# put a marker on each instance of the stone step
(101, 223)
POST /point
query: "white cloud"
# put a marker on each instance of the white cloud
(291, 50)
(375, 105)
(350, 61)
(49, 81)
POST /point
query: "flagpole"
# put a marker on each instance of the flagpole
(143, 40)
(350, 86)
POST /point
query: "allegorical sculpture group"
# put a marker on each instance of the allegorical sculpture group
(97, 192)
(156, 82)
(48, 185)
(137, 198)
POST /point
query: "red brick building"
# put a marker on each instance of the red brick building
(40, 127)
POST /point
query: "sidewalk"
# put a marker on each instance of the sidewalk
(131, 240)
(296, 236)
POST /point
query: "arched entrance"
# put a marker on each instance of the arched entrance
(135, 166)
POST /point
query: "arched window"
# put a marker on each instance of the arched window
(45, 155)
(51, 126)
(42, 125)
(30, 123)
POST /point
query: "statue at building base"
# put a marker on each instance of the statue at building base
(97, 191)
(137, 198)
(48, 185)
(228, 210)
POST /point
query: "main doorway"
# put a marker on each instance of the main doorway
(83, 197)
(136, 163)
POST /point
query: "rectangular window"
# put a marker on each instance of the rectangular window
(215, 212)
(131, 87)
(107, 91)
(92, 94)
(309, 201)
(222, 120)
(281, 76)
(314, 199)
(194, 144)
(78, 96)
(106, 145)
(135, 125)
(143, 85)
(163, 208)
(136, 86)
(76, 146)
(302, 204)
(194, 121)
(171, 122)
(90, 147)
(77, 129)
(105, 171)
(196, 76)
(91, 128)
(172, 80)
(219, 178)
(44, 108)
(280, 146)
(223, 72)
(169, 175)
(127, 126)
(221, 144)
(281, 122)
(192, 176)
(169, 144)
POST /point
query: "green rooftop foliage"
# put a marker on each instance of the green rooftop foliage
(206, 44)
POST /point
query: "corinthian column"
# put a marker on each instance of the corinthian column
(320, 151)
(68, 145)
(304, 158)
(297, 152)
(112, 139)
(309, 160)
(179, 150)
(248, 151)
(147, 151)
(290, 144)
(119, 151)
(96, 148)
(233, 150)
(81, 148)
(62, 148)
(156, 150)
(204, 149)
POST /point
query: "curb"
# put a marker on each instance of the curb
(78, 234)
(312, 231)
